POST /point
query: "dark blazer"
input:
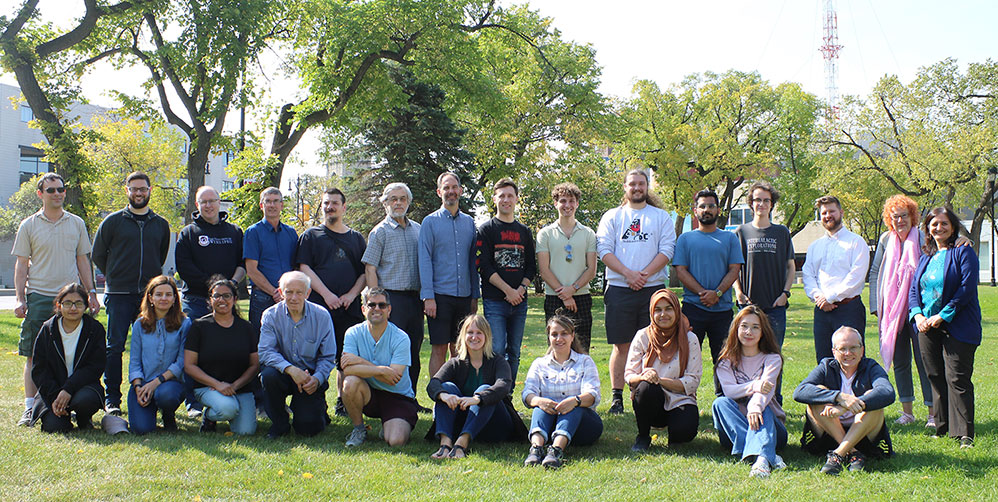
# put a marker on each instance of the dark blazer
(48, 364)
(495, 371)
(962, 273)
(870, 384)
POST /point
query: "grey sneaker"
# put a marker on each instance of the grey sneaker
(555, 457)
(356, 437)
(25, 420)
(535, 456)
(780, 464)
(616, 407)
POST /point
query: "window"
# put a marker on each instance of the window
(31, 165)
(227, 185)
(739, 216)
(26, 114)
(229, 157)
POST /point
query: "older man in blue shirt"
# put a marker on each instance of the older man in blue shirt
(448, 276)
(297, 353)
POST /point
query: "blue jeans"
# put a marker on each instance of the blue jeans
(492, 419)
(905, 347)
(122, 309)
(259, 301)
(582, 425)
(166, 397)
(733, 428)
(239, 410)
(195, 307)
(507, 323)
(711, 325)
(851, 314)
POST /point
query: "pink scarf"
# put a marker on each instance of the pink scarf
(900, 262)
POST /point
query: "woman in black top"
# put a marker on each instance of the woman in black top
(67, 365)
(220, 355)
(472, 392)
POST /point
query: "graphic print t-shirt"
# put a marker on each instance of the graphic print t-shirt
(635, 236)
(766, 252)
(506, 249)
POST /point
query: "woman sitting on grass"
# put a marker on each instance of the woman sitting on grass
(156, 360)
(472, 392)
(663, 369)
(221, 357)
(563, 388)
(67, 365)
(746, 417)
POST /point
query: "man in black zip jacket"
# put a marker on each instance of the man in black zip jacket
(130, 247)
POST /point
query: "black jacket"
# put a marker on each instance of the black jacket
(48, 363)
(870, 384)
(204, 249)
(129, 251)
(495, 371)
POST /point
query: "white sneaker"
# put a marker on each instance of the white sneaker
(25, 420)
(356, 437)
(905, 419)
(760, 469)
(930, 422)
(780, 464)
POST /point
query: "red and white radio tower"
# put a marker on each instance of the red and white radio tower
(830, 50)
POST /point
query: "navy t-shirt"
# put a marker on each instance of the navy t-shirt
(223, 353)
(335, 259)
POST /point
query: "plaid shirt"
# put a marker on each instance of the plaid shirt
(553, 380)
(394, 251)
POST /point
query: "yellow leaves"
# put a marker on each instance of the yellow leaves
(228, 434)
(307, 475)
(280, 472)
(654, 437)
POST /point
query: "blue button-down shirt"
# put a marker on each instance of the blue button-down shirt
(273, 249)
(151, 354)
(447, 255)
(308, 344)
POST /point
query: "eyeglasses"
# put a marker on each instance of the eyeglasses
(568, 249)
(707, 206)
(138, 189)
(377, 305)
(76, 305)
(850, 349)
(55, 189)
(763, 201)
(221, 296)
(209, 201)
(900, 217)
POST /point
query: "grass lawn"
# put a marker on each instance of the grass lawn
(193, 466)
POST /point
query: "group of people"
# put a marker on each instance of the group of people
(305, 321)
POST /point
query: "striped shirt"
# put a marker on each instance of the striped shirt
(556, 381)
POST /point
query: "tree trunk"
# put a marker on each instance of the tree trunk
(673, 279)
(197, 160)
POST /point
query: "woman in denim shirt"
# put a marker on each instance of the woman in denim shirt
(156, 361)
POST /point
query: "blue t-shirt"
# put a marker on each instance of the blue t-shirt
(391, 348)
(707, 256)
(273, 249)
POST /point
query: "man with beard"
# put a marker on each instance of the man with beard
(330, 255)
(130, 247)
(391, 262)
(635, 241)
(447, 274)
(707, 262)
(834, 272)
(51, 249)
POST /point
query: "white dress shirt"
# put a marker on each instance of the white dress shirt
(836, 266)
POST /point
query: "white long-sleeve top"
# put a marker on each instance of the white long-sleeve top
(746, 381)
(836, 266)
(638, 353)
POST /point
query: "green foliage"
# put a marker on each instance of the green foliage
(117, 148)
(22, 204)
(249, 166)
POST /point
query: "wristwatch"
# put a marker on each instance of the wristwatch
(786, 292)
(161, 379)
(578, 400)
(718, 292)
(92, 291)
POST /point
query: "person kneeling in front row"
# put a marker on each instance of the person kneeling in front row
(845, 397)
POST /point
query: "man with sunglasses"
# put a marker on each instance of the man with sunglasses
(51, 248)
(566, 260)
(507, 267)
(707, 262)
(376, 362)
(130, 247)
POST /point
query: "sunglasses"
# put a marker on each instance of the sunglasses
(568, 249)
(55, 189)
(377, 305)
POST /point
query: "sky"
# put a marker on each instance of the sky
(665, 40)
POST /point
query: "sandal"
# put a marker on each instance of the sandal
(454, 450)
(443, 452)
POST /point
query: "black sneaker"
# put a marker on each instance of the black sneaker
(207, 425)
(169, 421)
(833, 464)
(555, 457)
(641, 444)
(112, 409)
(857, 461)
(535, 456)
(617, 407)
(341, 411)
(83, 423)
(423, 409)
(966, 442)
(25, 420)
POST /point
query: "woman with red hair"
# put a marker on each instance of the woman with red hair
(663, 369)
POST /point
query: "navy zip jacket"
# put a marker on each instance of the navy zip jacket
(131, 251)
(959, 290)
(48, 363)
(204, 250)
(870, 385)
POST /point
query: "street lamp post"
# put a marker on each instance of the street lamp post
(992, 174)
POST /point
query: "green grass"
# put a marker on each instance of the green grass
(189, 465)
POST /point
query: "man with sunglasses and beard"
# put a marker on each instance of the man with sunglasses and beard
(566, 260)
(51, 249)
(130, 247)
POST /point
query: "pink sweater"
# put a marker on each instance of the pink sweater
(743, 383)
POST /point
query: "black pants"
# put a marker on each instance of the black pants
(85, 403)
(949, 364)
(649, 410)
(712, 325)
(309, 409)
(852, 314)
(582, 317)
(407, 314)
